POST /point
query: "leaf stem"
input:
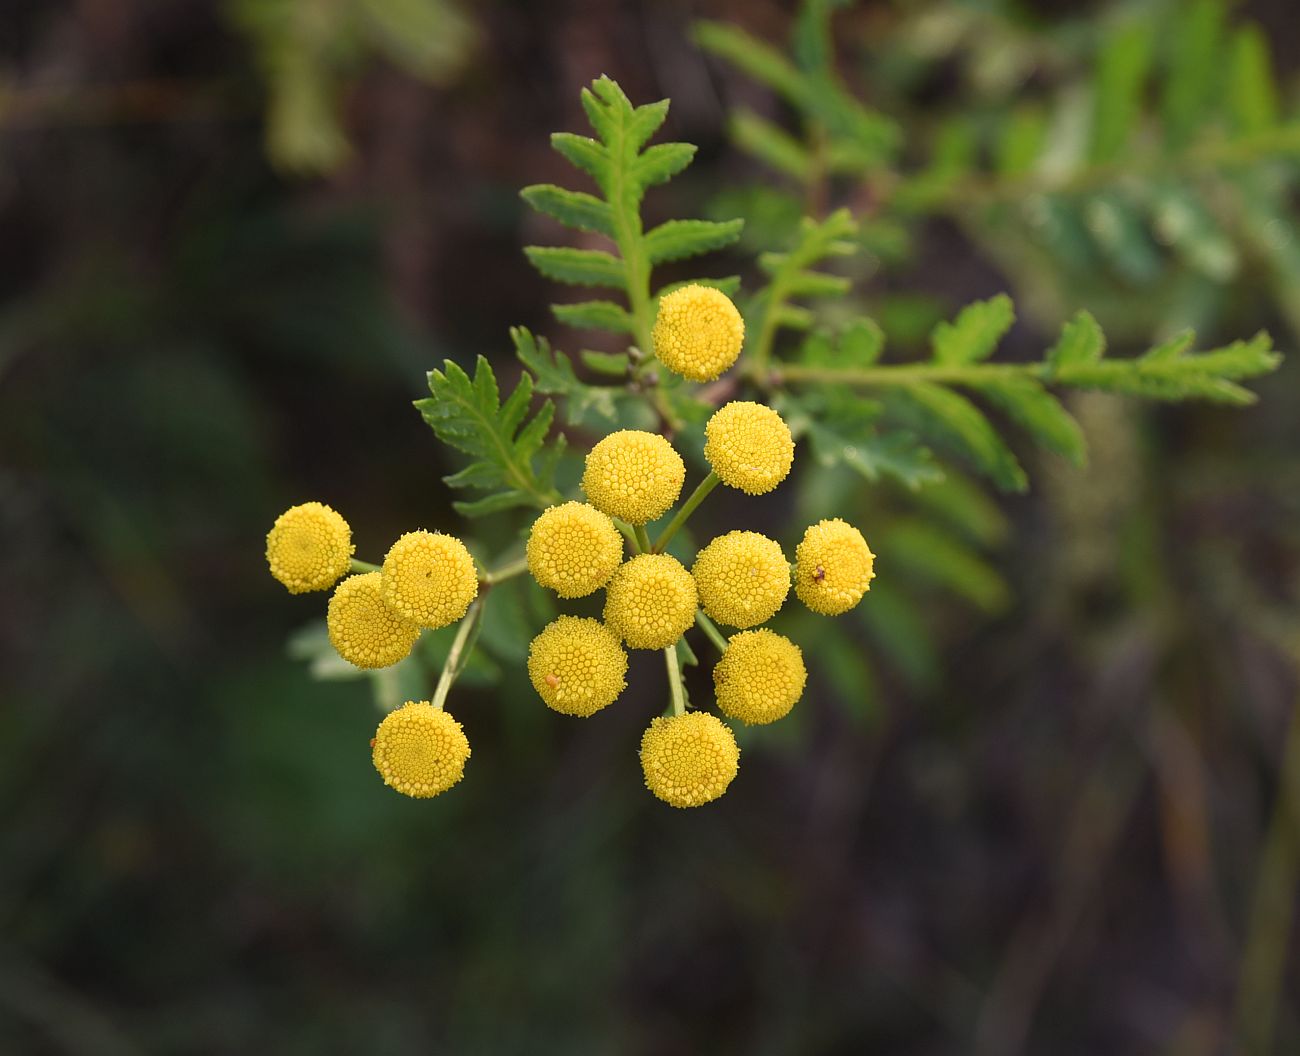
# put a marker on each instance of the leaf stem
(461, 647)
(363, 566)
(642, 539)
(688, 507)
(507, 571)
(675, 686)
(711, 631)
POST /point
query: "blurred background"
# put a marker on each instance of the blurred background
(1043, 794)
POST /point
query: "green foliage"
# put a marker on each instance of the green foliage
(468, 414)
(309, 50)
(1140, 158)
(623, 169)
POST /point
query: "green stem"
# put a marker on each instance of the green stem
(461, 647)
(363, 566)
(506, 571)
(642, 539)
(711, 630)
(675, 687)
(906, 374)
(697, 496)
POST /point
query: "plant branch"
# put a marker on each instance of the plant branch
(461, 647)
(675, 686)
(688, 507)
(362, 566)
(711, 631)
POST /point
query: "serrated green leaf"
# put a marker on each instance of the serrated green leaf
(614, 364)
(1183, 221)
(1252, 85)
(583, 152)
(862, 343)
(937, 414)
(678, 239)
(1028, 403)
(1119, 230)
(1081, 342)
(467, 414)
(1021, 142)
(1117, 100)
(556, 377)
(580, 267)
(817, 284)
(1171, 349)
(595, 315)
(502, 500)
(974, 335)
(575, 209)
(761, 61)
(662, 162)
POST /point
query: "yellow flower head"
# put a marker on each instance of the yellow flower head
(742, 578)
(633, 476)
(573, 549)
(760, 677)
(577, 665)
(309, 547)
(748, 446)
(420, 750)
(833, 567)
(689, 759)
(651, 601)
(698, 332)
(364, 630)
(429, 578)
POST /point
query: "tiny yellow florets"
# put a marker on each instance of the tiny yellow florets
(577, 666)
(634, 476)
(742, 578)
(429, 578)
(650, 601)
(309, 547)
(748, 446)
(420, 750)
(698, 332)
(833, 567)
(760, 677)
(363, 629)
(573, 549)
(689, 759)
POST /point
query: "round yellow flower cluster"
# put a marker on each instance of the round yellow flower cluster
(578, 665)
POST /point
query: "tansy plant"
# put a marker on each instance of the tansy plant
(715, 379)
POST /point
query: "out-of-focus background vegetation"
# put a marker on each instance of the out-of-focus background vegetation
(1043, 796)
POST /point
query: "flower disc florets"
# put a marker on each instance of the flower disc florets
(760, 677)
(748, 446)
(634, 476)
(577, 666)
(363, 629)
(833, 567)
(742, 578)
(573, 549)
(429, 578)
(420, 750)
(689, 759)
(698, 332)
(309, 547)
(650, 601)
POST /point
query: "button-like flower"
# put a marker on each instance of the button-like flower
(650, 601)
(363, 629)
(689, 759)
(429, 578)
(577, 666)
(760, 677)
(742, 578)
(698, 332)
(748, 446)
(420, 750)
(573, 549)
(833, 567)
(633, 475)
(309, 547)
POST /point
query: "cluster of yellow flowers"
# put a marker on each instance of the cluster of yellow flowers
(374, 619)
(579, 665)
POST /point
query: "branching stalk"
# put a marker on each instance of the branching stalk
(461, 647)
(363, 566)
(711, 631)
(688, 507)
(675, 686)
